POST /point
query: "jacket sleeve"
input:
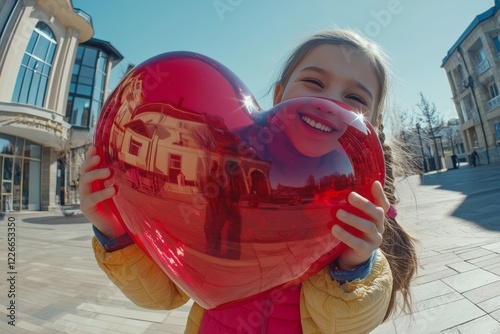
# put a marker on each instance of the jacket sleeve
(139, 278)
(354, 307)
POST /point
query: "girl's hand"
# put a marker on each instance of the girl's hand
(106, 222)
(361, 248)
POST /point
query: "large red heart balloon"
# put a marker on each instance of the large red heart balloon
(230, 201)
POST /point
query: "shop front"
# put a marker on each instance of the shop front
(20, 174)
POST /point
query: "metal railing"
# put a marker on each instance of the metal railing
(84, 15)
(482, 66)
(493, 103)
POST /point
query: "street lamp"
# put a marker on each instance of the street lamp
(442, 148)
(424, 165)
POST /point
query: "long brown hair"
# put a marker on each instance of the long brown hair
(397, 244)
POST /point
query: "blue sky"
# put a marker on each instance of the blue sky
(252, 38)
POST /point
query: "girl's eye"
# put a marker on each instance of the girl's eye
(314, 82)
(357, 99)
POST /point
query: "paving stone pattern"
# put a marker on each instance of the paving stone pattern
(454, 214)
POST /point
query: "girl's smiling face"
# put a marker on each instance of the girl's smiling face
(333, 72)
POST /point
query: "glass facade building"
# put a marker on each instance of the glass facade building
(86, 91)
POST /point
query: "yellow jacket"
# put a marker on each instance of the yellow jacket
(325, 305)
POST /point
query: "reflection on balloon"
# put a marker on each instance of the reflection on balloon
(229, 200)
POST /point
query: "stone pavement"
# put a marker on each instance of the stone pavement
(454, 214)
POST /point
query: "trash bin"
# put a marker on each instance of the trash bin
(454, 159)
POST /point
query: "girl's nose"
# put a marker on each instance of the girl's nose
(327, 106)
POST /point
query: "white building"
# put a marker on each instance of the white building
(53, 79)
(473, 69)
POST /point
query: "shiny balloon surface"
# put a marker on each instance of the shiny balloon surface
(231, 201)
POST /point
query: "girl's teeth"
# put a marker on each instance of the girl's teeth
(317, 125)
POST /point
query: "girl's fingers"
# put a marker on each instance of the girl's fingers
(371, 231)
(89, 164)
(87, 178)
(91, 201)
(359, 245)
(379, 196)
(373, 211)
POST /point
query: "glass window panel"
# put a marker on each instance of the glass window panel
(97, 95)
(35, 85)
(6, 187)
(496, 41)
(26, 59)
(99, 80)
(7, 168)
(87, 72)
(72, 88)
(69, 107)
(89, 58)
(79, 54)
(41, 48)
(80, 112)
(50, 53)
(7, 144)
(17, 171)
(84, 90)
(19, 83)
(85, 80)
(41, 91)
(32, 63)
(45, 30)
(46, 70)
(96, 107)
(76, 69)
(103, 59)
(17, 184)
(19, 146)
(31, 43)
(23, 97)
(31, 185)
(32, 150)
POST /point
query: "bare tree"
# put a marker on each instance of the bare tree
(433, 121)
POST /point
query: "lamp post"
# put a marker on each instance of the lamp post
(442, 150)
(424, 165)
(470, 84)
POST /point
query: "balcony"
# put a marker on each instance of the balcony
(482, 67)
(494, 103)
(84, 16)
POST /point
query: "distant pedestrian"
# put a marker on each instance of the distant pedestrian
(474, 157)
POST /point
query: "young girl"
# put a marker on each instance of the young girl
(352, 295)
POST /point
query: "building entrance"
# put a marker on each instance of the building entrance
(20, 162)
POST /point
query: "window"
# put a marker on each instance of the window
(497, 130)
(80, 111)
(7, 144)
(463, 110)
(480, 56)
(87, 83)
(493, 90)
(174, 167)
(135, 147)
(31, 82)
(496, 42)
